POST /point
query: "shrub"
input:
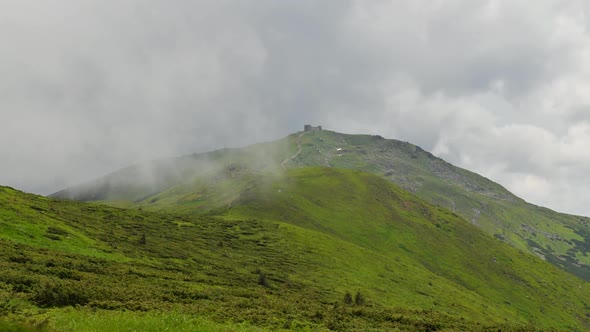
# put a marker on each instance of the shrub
(56, 231)
(60, 294)
(347, 298)
(262, 280)
(63, 273)
(359, 299)
(19, 281)
(142, 240)
(21, 259)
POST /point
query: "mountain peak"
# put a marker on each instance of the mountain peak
(561, 239)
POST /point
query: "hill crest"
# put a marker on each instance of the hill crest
(561, 239)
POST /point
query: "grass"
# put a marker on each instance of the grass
(563, 240)
(204, 182)
(433, 237)
(279, 251)
(85, 320)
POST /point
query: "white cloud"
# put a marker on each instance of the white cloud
(499, 87)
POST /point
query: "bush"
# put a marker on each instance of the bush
(57, 231)
(262, 280)
(142, 240)
(21, 259)
(61, 294)
(359, 299)
(18, 281)
(347, 298)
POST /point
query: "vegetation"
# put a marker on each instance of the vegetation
(560, 239)
(279, 251)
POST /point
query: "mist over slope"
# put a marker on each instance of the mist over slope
(141, 181)
(563, 240)
(289, 245)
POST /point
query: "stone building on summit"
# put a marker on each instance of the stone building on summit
(311, 128)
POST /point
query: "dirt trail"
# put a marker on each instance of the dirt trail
(296, 153)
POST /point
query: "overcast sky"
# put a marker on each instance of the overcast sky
(498, 87)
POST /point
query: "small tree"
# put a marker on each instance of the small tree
(262, 280)
(142, 239)
(347, 298)
(359, 299)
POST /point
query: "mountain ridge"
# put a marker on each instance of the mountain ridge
(563, 240)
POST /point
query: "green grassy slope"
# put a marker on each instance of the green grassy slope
(283, 253)
(361, 209)
(560, 239)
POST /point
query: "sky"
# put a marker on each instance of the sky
(501, 88)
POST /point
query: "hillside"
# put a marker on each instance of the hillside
(563, 240)
(283, 254)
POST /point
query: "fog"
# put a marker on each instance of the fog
(498, 87)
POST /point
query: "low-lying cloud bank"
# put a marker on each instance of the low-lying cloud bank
(498, 87)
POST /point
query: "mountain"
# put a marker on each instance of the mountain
(283, 252)
(561, 239)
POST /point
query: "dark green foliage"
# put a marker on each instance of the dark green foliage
(347, 298)
(280, 256)
(142, 240)
(61, 293)
(359, 299)
(18, 259)
(56, 231)
(262, 280)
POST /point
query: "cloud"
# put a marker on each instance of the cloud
(498, 87)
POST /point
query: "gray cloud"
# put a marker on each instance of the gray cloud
(499, 87)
